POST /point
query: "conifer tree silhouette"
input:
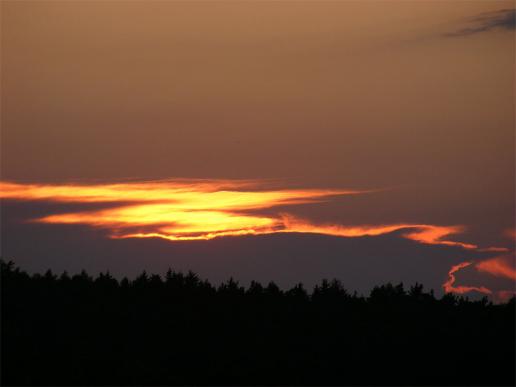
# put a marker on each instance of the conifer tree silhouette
(73, 329)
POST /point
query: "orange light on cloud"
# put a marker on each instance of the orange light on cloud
(205, 209)
(434, 235)
(449, 287)
(181, 210)
(422, 233)
(188, 194)
(174, 210)
(503, 266)
(169, 221)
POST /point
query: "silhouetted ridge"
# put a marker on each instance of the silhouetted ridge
(181, 330)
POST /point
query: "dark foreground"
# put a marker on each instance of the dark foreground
(180, 330)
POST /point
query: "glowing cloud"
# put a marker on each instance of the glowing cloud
(422, 233)
(449, 287)
(180, 210)
(503, 266)
(187, 194)
(174, 210)
(205, 209)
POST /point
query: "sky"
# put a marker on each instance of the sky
(369, 141)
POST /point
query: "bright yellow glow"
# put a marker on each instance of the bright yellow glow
(205, 209)
(183, 210)
(174, 210)
(186, 194)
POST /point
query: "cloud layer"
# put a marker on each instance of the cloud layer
(193, 210)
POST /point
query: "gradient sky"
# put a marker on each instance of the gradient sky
(411, 104)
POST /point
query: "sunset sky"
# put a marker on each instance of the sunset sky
(291, 141)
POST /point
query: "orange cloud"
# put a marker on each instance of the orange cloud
(179, 210)
(191, 194)
(449, 287)
(205, 209)
(503, 266)
(423, 233)
(174, 210)
(434, 235)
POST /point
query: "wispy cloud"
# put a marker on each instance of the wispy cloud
(186, 210)
(503, 266)
(504, 19)
(207, 209)
(174, 210)
(450, 287)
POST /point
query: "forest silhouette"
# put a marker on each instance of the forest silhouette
(181, 330)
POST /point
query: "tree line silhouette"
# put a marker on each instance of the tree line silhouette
(181, 330)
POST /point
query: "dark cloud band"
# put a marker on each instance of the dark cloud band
(504, 19)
